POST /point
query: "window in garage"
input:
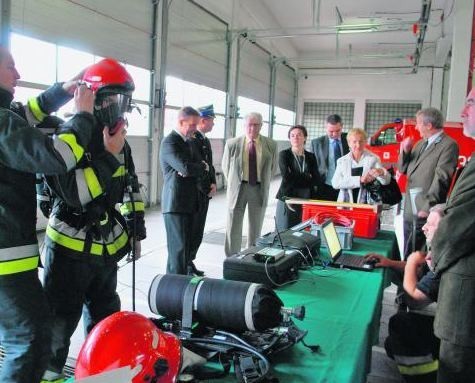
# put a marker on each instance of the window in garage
(316, 112)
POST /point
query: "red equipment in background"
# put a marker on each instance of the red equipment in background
(386, 141)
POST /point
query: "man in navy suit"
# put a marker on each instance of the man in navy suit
(181, 170)
(327, 149)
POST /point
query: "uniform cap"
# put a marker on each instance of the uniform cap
(207, 111)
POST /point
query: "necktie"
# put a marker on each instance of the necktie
(252, 163)
(336, 150)
(423, 148)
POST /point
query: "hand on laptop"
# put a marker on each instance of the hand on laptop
(378, 260)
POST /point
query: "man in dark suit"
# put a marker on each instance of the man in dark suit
(454, 262)
(327, 149)
(181, 170)
(206, 183)
(429, 166)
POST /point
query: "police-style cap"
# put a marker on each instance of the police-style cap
(207, 111)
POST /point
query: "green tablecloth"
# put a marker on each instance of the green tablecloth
(343, 309)
(343, 314)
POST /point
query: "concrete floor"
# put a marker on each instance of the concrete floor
(210, 259)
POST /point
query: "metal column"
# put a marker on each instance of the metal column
(157, 90)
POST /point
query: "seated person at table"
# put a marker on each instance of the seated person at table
(299, 178)
(357, 168)
(411, 341)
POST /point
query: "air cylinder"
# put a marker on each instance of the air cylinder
(222, 304)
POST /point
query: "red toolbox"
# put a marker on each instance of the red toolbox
(366, 217)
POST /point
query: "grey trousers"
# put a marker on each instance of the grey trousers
(249, 196)
(456, 363)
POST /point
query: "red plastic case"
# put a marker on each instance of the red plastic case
(366, 220)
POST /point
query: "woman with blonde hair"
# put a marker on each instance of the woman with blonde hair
(357, 168)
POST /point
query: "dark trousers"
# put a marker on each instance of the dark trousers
(71, 284)
(199, 221)
(179, 227)
(420, 240)
(25, 321)
(457, 363)
(286, 218)
(414, 347)
(327, 193)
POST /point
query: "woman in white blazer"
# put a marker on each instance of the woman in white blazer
(358, 167)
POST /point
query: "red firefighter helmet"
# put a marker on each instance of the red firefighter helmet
(113, 86)
(129, 339)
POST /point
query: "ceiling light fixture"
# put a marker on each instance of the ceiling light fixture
(357, 28)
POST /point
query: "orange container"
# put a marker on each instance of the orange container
(366, 220)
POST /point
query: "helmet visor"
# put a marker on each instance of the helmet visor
(110, 107)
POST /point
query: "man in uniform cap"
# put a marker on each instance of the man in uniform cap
(206, 183)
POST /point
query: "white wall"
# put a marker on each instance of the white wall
(362, 88)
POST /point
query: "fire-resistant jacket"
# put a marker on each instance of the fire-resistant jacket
(93, 218)
(24, 151)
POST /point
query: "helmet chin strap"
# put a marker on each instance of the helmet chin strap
(121, 122)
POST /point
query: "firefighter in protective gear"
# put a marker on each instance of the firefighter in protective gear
(25, 318)
(130, 346)
(86, 234)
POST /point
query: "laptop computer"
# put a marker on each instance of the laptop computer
(337, 258)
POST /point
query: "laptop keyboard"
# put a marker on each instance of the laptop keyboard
(351, 260)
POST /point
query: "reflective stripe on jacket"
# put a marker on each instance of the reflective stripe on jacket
(18, 259)
(93, 226)
(25, 151)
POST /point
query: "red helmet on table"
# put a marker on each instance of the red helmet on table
(129, 339)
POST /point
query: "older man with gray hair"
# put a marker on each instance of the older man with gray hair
(429, 165)
(249, 162)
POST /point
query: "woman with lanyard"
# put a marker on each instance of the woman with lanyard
(298, 168)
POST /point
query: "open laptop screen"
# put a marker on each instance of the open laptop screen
(333, 242)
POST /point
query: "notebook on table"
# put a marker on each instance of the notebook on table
(337, 257)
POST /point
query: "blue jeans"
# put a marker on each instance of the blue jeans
(24, 328)
(71, 284)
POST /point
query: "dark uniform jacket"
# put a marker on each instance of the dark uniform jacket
(453, 250)
(84, 222)
(320, 149)
(24, 151)
(202, 147)
(181, 172)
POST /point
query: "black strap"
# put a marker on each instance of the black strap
(187, 308)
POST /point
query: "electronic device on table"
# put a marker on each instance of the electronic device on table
(337, 257)
(296, 238)
(262, 264)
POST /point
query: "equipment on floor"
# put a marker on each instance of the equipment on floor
(252, 265)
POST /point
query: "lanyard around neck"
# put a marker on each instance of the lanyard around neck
(300, 165)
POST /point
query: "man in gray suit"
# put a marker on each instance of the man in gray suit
(181, 170)
(327, 149)
(249, 162)
(453, 252)
(429, 166)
